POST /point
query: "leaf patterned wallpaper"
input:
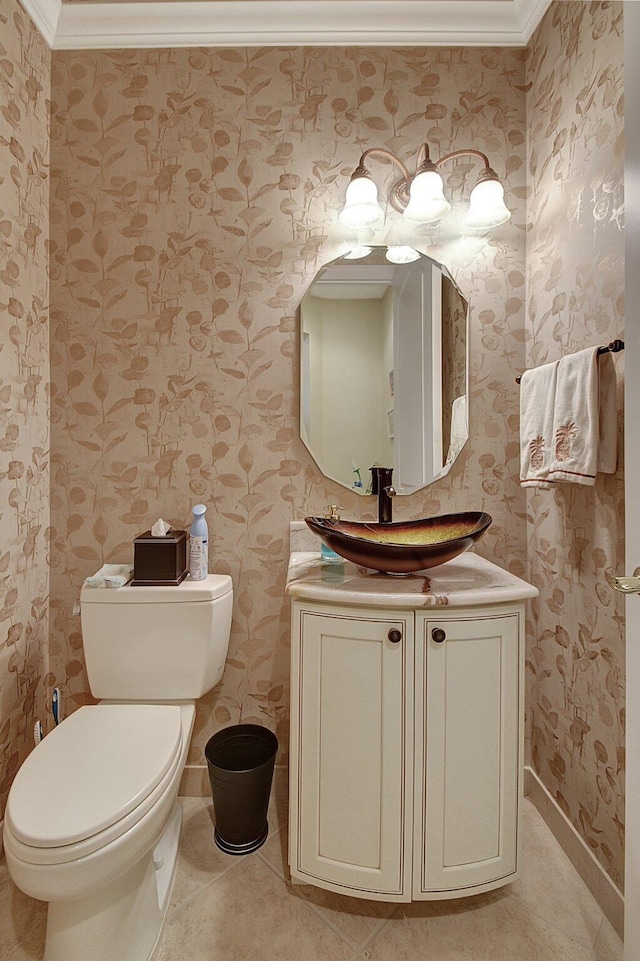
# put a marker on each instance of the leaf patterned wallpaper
(575, 264)
(194, 194)
(24, 381)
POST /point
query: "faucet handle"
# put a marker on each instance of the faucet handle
(390, 491)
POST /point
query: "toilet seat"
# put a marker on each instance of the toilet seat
(94, 776)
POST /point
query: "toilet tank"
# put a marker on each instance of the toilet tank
(156, 643)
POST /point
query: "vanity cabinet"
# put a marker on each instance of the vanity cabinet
(406, 739)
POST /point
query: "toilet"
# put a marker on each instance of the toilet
(92, 824)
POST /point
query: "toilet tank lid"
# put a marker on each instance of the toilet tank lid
(214, 586)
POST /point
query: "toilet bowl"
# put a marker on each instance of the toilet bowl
(92, 825)
(83, 849)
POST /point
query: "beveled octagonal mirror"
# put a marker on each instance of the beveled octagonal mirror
(383, 370)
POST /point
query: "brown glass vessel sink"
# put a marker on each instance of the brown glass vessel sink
(403, 547)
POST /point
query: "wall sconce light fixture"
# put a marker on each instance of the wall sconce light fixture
(420, 199)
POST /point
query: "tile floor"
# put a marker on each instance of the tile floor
(244, 909)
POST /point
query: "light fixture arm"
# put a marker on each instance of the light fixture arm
(361, 169)
(471, 152)
(487, 172)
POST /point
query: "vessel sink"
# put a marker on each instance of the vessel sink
(403, 547)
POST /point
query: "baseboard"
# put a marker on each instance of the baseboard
(195, 781)
(606, 893)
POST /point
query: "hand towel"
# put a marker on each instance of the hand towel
(537, 394)
(110, 575)
(459, 431)
(584, 424)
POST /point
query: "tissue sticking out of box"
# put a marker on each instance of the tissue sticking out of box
(160, 528)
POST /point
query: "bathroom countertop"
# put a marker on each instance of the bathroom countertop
(468, 580)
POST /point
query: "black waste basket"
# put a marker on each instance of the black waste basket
(240, 761)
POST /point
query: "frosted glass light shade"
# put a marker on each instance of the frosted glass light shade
(361, 207)
(427, 202)
(402, 254)
(486, 206)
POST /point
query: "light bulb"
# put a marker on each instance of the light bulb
(402, 254)
(361, 207)
(486, 206)
(427, 202)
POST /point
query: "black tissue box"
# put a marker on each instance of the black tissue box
(159, 561)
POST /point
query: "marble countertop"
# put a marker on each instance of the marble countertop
(468, 580)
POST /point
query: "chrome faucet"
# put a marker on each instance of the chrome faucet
(382, 487)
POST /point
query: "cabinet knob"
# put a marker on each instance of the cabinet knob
(394, 636)
(438, 635)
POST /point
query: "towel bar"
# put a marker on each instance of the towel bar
(613, 348)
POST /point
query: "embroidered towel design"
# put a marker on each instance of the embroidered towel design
(536, 452)
(564, 433)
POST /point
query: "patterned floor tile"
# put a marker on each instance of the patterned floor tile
(558, 895)
(493, 927)
(248, 914)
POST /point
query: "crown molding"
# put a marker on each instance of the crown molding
(529, 16)
(223, 23)
(45, 15)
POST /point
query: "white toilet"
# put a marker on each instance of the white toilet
(92, 825)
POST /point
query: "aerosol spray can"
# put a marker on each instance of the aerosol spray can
(199, 545)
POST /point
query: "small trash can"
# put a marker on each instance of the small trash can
(241, 759)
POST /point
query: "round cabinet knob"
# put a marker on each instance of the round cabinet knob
(395, 636)
(438, 635)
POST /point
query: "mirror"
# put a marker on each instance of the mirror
(383, 370)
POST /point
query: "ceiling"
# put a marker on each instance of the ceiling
(89, 24)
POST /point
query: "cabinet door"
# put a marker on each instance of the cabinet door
(468, 753)
(351, 752)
